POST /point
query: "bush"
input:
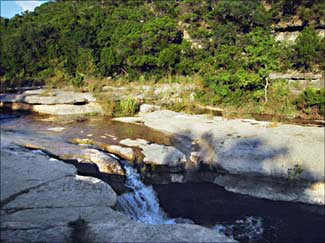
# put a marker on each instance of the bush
(312, 98)
(127, 107)
(78, 81)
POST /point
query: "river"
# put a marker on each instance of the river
(244, 218)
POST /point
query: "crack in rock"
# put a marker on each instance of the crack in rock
(13, 197)
(18, 209)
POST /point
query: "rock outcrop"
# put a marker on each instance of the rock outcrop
(122, 152)
(43, 200)
(53, 102)
(48, 97)
(146, 108)
(297, 82)
(248, 148)
(157, 154)
(106, 163)
(89, 162)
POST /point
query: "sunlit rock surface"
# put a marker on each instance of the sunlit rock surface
(54, 102)
(249, 148)
(157, 154)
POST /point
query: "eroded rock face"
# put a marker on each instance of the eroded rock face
(106, 164)
(123, 152)
(246, 146)
(291, 36)
(88, 162)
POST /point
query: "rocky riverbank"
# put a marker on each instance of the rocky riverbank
(44, 200)
(262, 159)
(254, 158)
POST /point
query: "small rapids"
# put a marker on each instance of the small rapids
(249, 229)
(142, 203)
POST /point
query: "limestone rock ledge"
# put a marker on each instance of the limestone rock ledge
(288, 153)
(43, 200)
(52, 102)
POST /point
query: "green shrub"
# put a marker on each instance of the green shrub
(127, 107)
(312, 98)
(78, 81)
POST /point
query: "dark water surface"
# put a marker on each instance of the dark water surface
(208, 204)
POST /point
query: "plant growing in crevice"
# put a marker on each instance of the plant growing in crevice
(294, 173)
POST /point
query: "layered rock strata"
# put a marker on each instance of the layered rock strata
(53, 102)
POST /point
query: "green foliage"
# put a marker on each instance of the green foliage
(312, 98)
(295, 172)
(307, 49)
(113, 108)
(244, 15)
(127, 107)
(78, 81)
(64, 42)
(306, 10)
(242, 70)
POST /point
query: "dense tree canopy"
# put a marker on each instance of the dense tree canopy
(230, 43)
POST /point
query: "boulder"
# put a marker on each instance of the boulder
(122, 152)
(106, 164)
(67, 109)
(145, 108)
(157, 154)
(48, 97)
(53, 102)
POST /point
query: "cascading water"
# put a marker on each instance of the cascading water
(141, 204)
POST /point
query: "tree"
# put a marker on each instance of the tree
(307, 49)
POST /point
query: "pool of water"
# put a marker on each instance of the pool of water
(100, 129)
(245, 218)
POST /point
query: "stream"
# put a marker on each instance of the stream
(244, 218)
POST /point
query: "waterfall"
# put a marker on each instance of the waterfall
(142, 203)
